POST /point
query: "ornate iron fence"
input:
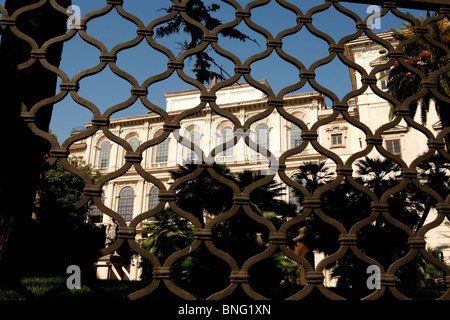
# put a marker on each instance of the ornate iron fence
(278, 241)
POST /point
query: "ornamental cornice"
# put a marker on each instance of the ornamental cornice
(289, 100)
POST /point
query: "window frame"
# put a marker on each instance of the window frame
(224, 137)
(338, 144)
(194, 137)
(162, 151)
(258, 135)
(383, 83)
(104, 154)
(125, 203)
(151, 197)
(392, 141)
(132, 143)
(295, 141)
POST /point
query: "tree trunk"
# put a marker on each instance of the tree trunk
(23, 151)
(425, 214)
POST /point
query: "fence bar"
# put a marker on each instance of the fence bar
(434, 5)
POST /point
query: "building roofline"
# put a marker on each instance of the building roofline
(360, 42)
(364, 40)
(196, 91)
(153, 117)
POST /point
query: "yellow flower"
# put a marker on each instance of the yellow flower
(446, 39)
(408, 32)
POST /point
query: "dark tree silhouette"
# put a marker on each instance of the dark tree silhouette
(200, 12)
(380, 240)
(19, 89)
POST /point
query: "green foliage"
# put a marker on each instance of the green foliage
(435, 174)
(59, 189)
(427, 59)
(166, 233)
(55, 289)
(60, 235)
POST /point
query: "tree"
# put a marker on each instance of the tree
(58, 189)
(381, 240)
(200, 12)
(313, 175)
(203, 194)
(35, 83)
(347, 205)
(426, 58)
(62, 236)
(240, 236)
(166, 233)
(435, 174)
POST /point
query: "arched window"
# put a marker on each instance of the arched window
(296, 136)
(103, 158)
(262, 135)
(153, 197)
(194, 137)
(134, 143)
(162, 151)
(126, 203)
(225, 135)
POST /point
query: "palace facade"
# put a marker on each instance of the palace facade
(130, 194)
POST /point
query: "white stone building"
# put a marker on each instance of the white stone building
(406, 142)
(130, 194)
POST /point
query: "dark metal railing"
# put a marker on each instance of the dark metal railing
(38, 52)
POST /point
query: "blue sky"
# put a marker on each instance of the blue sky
(106, 89)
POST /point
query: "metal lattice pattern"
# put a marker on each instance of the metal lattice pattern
(240, 275)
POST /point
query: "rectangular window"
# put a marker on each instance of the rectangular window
(394, 147)
(336, 139)
(103, 158)
(95, 214)
(383, 82)
(162, 151)
(226, 135)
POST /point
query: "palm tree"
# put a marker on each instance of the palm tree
(314, 233)
(312, 175)
(240, 236)
(378, 174)
(347, 205)
(166, 233)
(240, 229)
(435, 174)
(267, 199)
(427, 58)
(204, 194)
